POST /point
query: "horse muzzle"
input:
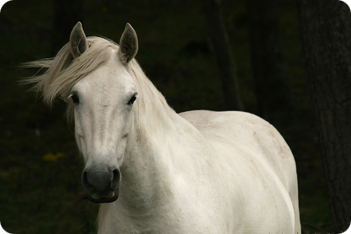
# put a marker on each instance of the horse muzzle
(101, 183)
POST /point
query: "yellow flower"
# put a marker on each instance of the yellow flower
(53, 157)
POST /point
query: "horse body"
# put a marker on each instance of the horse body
(156, 171)
(217, 181)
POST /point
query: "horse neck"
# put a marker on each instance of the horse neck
(148, 159)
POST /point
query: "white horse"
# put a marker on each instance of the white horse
(156, 171)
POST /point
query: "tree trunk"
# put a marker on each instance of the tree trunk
(225, 61)
(66, 14)
(272, 86)
(326, 37)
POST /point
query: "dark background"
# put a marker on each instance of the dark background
(40, 166)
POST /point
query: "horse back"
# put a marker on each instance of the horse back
(250, 133)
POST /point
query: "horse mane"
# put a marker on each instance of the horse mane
(63, 72)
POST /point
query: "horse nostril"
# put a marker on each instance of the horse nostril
(85, 178)
(115, 179)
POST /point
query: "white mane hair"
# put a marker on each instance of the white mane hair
(63, 72)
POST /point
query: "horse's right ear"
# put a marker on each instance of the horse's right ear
(78, 41)
(128, 44)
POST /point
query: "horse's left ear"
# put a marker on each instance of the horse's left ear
(128, 45)
(78, 41)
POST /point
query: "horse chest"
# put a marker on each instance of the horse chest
(159, 221)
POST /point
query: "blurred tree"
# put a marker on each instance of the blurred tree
(325, 28)
(66, 14)
(225, 60)
(272, 86)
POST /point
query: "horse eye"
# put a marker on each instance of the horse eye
(74, 98)
(132, 100)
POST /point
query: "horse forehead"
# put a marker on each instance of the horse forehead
(110, 78)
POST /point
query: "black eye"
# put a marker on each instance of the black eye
(132, 100)
(74, 98)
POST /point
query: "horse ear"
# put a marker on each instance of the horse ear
(78, 41)
(128, 45)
